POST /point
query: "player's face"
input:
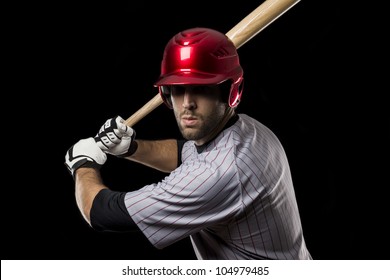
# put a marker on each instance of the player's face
(198, 110)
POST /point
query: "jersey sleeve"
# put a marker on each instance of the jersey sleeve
(201, 192)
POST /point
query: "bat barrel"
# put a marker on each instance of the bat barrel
(258, 19)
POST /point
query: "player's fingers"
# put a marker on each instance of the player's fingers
(124, 130)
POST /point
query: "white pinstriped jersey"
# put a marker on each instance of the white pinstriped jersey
(235, 199)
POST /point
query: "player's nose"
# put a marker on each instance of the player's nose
(189, 100)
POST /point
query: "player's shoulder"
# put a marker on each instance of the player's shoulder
(252, 130)
(246, 121)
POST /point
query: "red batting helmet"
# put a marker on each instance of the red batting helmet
(200, 56)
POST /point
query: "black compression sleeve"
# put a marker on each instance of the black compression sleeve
(109, 212)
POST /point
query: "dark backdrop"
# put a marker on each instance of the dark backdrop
(311, 76)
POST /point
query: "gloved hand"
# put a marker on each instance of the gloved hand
(116, 138)
(85, 153)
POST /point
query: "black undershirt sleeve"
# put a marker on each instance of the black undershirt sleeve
(180, 144)
(109, 212)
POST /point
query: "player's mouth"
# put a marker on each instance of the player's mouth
(189, 121)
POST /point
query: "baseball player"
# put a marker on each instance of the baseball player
(229, 187)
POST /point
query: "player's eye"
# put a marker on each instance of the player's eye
(177, 90)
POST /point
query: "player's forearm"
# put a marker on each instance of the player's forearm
(158, 154)
(88, 184)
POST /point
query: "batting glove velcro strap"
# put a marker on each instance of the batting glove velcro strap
(85, 153)
(116, 138)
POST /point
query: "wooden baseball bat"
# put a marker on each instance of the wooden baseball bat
(246, 29)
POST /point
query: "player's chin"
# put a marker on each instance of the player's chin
(190, 133)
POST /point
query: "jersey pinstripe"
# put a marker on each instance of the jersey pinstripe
(235, 199)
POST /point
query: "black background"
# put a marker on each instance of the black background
(312, 76)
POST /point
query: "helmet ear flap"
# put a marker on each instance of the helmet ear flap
(236, 92)
(165, 93)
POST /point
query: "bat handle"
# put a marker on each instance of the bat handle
(144, 110)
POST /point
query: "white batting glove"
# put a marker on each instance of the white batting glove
(116, 138)
(85, 153)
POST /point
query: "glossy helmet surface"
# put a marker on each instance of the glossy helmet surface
(200, 56)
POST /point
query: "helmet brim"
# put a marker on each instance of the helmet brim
(190, 78)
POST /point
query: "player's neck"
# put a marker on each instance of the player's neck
(217, 129)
